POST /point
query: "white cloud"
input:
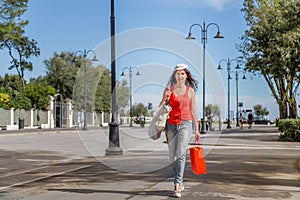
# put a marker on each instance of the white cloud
(215, 4)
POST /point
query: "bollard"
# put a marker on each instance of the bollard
(21, 123)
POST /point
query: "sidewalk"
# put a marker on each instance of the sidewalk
(241, 165)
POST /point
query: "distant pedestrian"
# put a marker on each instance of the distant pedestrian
(250, 119)
(241, 120)
(142, 120)
(182, 121)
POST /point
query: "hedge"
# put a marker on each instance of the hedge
(290, 130)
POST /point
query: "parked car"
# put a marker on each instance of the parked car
(262, 120)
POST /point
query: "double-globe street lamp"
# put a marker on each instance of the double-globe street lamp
(237, 72)
(204, 29)
(114, 144)
(85, 53)
(130, 88)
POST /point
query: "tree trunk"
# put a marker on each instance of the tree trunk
(23, 83)
(292, 107)
(282, 110)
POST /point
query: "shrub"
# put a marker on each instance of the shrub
(290, 130)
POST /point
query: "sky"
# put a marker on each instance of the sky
(150, 37)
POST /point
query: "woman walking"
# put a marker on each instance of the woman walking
(182, 121)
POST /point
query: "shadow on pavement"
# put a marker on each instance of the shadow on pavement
(127, 192)
(233, 173)
(248, 170)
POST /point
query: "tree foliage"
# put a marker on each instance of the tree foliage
(103, 97)
(271, 47)
(61, 72)
(123, 96)
(259, 110)
(4, 100)
(10, 83)
(70, 75)
(212, 110)
(12, 37)
(36, 94)
(10, 16)
(138, 109)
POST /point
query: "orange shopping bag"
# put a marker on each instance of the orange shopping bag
(197, 160)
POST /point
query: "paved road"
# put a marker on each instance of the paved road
(69, 164)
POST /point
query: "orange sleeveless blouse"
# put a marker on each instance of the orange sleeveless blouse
(181, 107)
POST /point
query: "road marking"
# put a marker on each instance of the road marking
(233, 146)
(41, 178)
(22, 172)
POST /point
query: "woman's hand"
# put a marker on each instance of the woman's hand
(197, 136)
(167, 94)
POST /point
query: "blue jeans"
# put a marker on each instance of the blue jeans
(178, 137)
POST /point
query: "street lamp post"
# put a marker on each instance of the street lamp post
(114, 145)
(85, 54)
(130, 88)
(204, 29)
(237, 93)
(228, 63)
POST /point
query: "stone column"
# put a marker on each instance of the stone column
(31, 118)
(12, 116)
(51, 112)
(69, 113)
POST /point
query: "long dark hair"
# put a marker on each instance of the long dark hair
(190, 81)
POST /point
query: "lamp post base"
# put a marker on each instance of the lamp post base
(113, 151)
(114, 147)
(228, 125)
(84, 125)
(203, 127)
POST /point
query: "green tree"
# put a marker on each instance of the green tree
(103, 96)
(20, 47)
(271, 47)
(10, 17)
(212, 110)
(39, 95)
(138, 109)
(122, 96)
(65, 72)
(259, 110)
(38, 92)
(11, 86)
(103, 93)
(61, 72)
(21, 101)
(10, 83)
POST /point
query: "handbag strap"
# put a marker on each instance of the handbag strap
(167, 100)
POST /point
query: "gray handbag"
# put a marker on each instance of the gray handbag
(158, 123)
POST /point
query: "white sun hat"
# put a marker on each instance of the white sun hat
(181, 67)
